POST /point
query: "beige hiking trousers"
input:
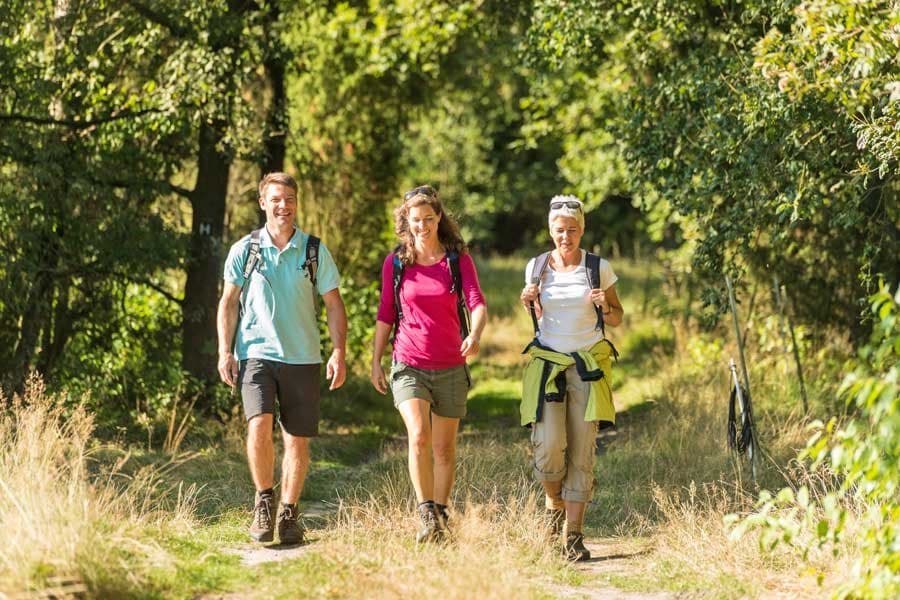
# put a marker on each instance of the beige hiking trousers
(564, 443)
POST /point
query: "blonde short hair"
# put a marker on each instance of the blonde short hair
(566, 211)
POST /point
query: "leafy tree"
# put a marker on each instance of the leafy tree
(769, 180)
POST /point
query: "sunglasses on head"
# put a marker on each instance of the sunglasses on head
(426, 190)
(573, 204)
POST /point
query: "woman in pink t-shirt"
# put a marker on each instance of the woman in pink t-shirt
(429, 378)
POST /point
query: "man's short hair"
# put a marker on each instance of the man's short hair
(279, 178)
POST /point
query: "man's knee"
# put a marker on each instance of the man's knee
(296, 449)
(259, 428)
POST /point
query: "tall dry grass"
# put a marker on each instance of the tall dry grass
(500, 546)
(677, 482)
(61, 516)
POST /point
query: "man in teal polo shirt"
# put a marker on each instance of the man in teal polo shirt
(277, 351)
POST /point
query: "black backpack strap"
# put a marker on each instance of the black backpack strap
(457, 288)
(312, 268)
(396, 278)
(592, 266)
(251, 262)
(537, 273)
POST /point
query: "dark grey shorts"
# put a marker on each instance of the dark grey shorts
(295, 386)
(445, 389)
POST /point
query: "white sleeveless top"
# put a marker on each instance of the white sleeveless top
(569, 318)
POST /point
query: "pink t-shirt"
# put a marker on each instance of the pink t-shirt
(428, 336)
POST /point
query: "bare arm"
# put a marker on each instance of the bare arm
(382, 333)
(472, 344)
(336, 369)
(609, 302)
(226, 325)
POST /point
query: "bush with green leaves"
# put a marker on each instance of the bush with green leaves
(862, 457)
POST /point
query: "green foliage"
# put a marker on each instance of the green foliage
(768, 177)
(865, 455)
(845, 51)
(363, 69)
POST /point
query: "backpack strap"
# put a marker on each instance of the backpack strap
(537, 273)
(592, 266)
(395, 280)
(251, 262)
(457, 288)
(312, 267)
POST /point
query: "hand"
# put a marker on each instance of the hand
(336, 370)
(378, 378)
(598, 297)
(228, 368)
(531, 293)
(470, 346)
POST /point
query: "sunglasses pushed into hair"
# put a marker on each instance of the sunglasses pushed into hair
(573, 204)
(426, 190)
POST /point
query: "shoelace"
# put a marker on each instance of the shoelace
(287, 514)
(263, 514)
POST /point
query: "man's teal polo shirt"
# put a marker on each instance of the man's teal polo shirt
(279, 321)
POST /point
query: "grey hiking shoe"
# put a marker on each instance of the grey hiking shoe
(289, 529)
(430, 531)
(575, 549)
(262, 529)
(443, 521)
(556, 520)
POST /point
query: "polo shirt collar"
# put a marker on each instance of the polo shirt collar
(265, 240)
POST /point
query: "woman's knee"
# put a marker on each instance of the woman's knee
(419, 441)
(445, 453)
(549, 448)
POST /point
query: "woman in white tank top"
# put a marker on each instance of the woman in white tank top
(567, 309)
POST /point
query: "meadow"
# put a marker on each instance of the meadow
(166, 516)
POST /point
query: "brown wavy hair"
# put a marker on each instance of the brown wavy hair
(448, 231)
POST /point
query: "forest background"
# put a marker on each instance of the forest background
(758, 139)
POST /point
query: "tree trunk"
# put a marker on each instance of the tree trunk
(34, 320)
(276, 121)
(204, 264)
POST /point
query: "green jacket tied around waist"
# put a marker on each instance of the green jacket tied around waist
(541, 381)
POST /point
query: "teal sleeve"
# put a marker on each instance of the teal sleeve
(234, 264)
(327, 275)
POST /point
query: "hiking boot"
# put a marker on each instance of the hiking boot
(575, 549)
(289, 529)
(443, 521)
(556, 519)
(263, 529)
(430, 531)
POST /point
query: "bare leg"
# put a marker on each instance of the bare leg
(293, 467)
(443, 433)
(415, 413)
(574, 516)
(553, 495)
(260, 451)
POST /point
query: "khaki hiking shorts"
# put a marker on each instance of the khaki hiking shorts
(446, 389)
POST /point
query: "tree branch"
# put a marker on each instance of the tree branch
(72, 124)
(174, 27)
(156, 287)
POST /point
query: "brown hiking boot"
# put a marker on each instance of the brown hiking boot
(289, 529)
(262, 529)
(575, 549)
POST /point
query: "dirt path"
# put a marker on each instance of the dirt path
(611, 557)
